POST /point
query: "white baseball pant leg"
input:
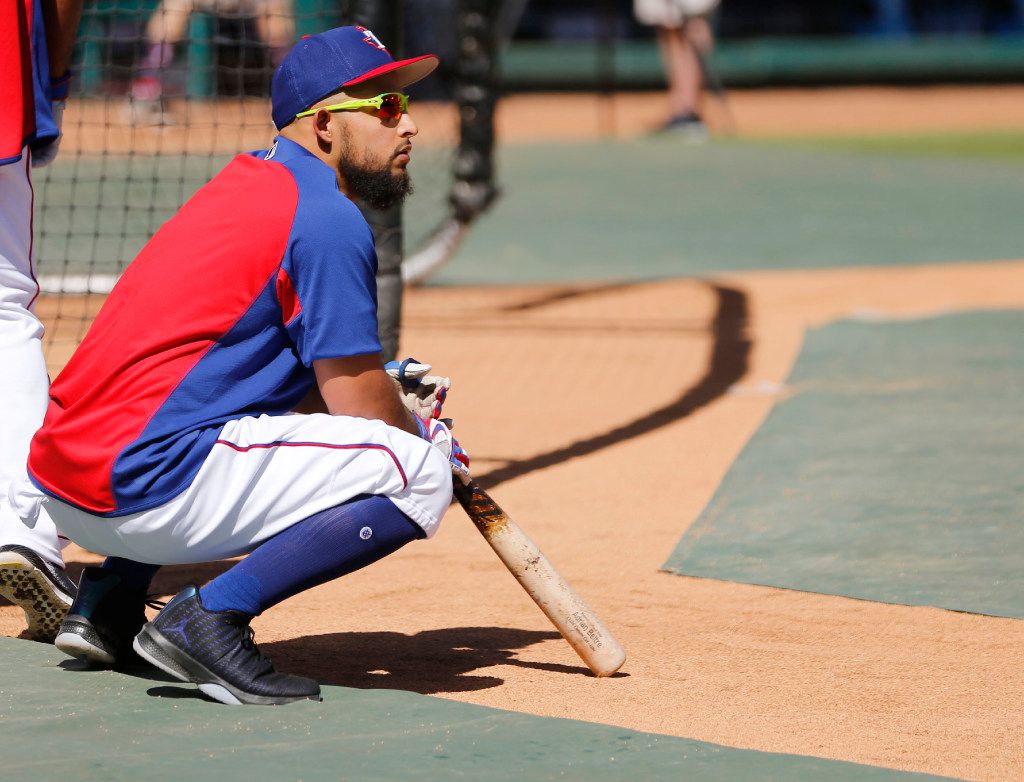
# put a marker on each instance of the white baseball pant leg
(264, 475)
(24, 384)
(671, 13)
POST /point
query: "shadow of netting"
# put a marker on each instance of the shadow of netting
(730, 358)
(566, 294)
(729, 361)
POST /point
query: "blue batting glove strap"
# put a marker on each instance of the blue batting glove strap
(408, 372)
(403, 378)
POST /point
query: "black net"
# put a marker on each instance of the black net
(166, 92)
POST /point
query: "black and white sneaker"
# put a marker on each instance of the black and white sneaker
(215, 650)
(687, 126)
(43, 591)
(104, 619)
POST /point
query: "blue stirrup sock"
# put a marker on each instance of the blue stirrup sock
(134, 575)
(314, 551)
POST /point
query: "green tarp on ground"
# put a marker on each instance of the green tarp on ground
(893, 472)
(655, 208)
(643, 209)
(60, 724)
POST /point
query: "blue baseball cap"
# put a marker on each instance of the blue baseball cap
(320, 65)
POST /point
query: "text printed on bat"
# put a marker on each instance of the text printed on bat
(587, 631)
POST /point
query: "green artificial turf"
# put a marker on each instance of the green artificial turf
(995, 145)
(64, 724)
(890, 470)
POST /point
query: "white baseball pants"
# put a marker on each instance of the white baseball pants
(24, 383)
(265, 474)
(671, 13)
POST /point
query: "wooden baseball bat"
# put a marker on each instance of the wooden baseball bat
(559, 601)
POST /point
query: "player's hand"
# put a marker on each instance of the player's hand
(423, 394)
(439, 433)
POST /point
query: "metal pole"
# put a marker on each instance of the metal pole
(476, 95)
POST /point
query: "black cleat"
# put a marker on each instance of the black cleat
(215, 650)
(43, 591)
(104, 619)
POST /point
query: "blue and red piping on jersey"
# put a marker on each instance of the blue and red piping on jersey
(330, 446)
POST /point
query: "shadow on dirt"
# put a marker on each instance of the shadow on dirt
(566, 294)
(432, 661)
(730, 357)
(427, 662)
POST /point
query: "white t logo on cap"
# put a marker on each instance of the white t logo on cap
(372, 39)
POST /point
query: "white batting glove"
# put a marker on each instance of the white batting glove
(423, 394)
(439, 433)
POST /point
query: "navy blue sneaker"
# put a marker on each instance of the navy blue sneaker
(43, 591)
(215, 650)
(104, 619)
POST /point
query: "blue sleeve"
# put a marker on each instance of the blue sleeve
(331, 265)
(46, 128)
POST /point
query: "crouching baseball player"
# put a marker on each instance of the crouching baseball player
(172, 436)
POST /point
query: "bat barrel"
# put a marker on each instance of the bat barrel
(568, 612)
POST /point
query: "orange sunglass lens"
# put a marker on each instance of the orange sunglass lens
(391, 107)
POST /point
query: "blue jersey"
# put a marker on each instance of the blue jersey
(266, 269)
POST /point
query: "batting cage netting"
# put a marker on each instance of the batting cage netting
(167, 91)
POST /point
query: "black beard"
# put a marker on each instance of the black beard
(376, 186)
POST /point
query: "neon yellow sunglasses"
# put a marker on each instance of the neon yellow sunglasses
(389, 105)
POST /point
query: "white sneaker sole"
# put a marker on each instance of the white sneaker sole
(211, 690)
(154, 653)
(74, 645)
(26, 586)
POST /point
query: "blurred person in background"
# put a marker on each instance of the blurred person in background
(36, 41)
(168, 26)
(685, 38)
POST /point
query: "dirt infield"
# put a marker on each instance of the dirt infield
(769, 113)
(224, 126)
(632, 422)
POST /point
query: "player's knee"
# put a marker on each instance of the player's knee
(429, 486)
(434, 475)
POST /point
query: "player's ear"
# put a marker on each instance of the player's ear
(322, 126)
